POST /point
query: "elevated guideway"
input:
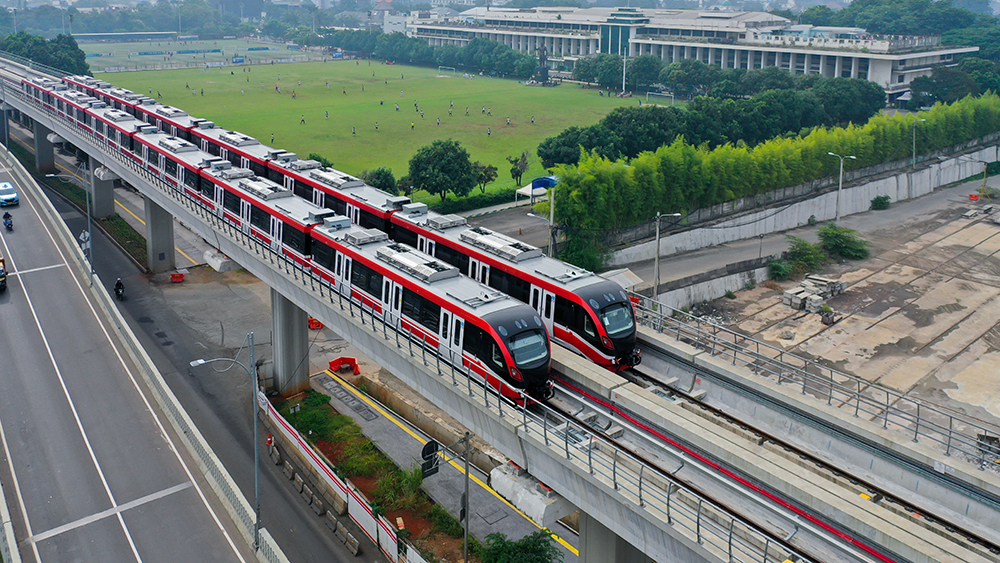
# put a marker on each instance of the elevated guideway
(631, 501)
(930, 462)
(665, 524)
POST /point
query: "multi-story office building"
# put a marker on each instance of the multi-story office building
(730, 39)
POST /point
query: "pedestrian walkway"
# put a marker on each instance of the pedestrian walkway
(472, 213)
(402, 442)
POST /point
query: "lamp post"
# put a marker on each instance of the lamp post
(915, 141)
(840, 185)
(253, 409)
(89, 251)
(656, 284)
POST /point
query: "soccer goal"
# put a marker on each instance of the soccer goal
(659, 98)
(447, 71)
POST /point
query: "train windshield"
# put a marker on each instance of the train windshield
(617, 319)
(528, 347)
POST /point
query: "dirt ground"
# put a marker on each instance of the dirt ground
(920, 315)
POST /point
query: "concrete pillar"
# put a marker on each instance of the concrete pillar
(159, 237)
(290, 331)
(838, 66)
(598, 544)
(4, 125)
(45, 157)
(854, 67)
(102, 193)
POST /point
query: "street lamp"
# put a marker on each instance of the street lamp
(88, 244)
(915, 140)
(840, 186)
(656, 284)
(253, 409)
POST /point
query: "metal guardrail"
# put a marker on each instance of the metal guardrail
(950, 432)
(219, 479)
(38, 67)
(646, 487)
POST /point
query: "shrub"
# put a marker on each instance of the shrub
(805, 255)
(811, 220)
(458, 205)
(315, 399)
(779, 269)
(844, 242)
(880, 202)
(444, 522)
(826, 308)
(730, 295)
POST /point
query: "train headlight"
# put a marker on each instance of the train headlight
(607, 343)
(515, 374)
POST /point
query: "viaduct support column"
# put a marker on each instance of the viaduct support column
(290, 332)
(45, 157)
(598, 544)
(159, 237)
(102, 194)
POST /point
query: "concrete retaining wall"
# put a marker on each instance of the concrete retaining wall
(854, 199)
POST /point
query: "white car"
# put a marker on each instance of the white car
(8, 195)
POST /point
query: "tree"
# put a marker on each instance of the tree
(404, 186)
(485, 173)
(817, 15)
(518, 166)
(841, 241)
(644, 70)
(442, 167)
(537, 547)
(61, 53)
(564, 148)
(850, 100)
(380, 177)
(943, 85)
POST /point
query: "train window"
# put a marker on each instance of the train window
(588, 326)
(212, 148)
(397, 298)
(324, 255)
(367, 279)
(258, 168)
(233, 157)
(385, 292)
(565, 311)
(303, 190)
(444, 329)
(496, 356)
(338, 271)
(260, 219)
(231, 202)
(474, 337)
(534, 298)
(370, 220)
(337, 205)
(191, 179)
(451, 256)
(295, 239)
(474, 274)
(548, 306)
(617, 318)
(405, 236)
(171, 167)
(421, 310)
(208, 188)
(528, 347)
(457, 332)
(99, 127)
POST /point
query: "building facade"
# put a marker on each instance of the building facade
(730, 39)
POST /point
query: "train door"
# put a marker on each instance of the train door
(387, 301)
(425, 245)
(289, 183)
(345, 276)
(450, 337)
(479, 271)
(217, 198)
(245, 215)
(548, 309)
(319, 198)
(354, 214)
(276, 226)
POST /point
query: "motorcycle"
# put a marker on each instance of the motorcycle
(9, 224)
(120, 293)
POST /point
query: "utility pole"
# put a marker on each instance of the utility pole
(465, 498)
(915, 141)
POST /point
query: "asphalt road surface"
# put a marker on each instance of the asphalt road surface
(90, 470)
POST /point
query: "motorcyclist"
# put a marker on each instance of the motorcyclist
(119, 287)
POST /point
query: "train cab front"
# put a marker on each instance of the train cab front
(619, 324)
(531, 355)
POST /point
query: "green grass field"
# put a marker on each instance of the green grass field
(239, 102)
(118, 55)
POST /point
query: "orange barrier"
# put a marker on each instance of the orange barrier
(336, 365)
(176, 277)
(314, 324)
(973, 197)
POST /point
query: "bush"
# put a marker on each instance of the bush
(444, 522)
(475, 202)
(880, 202)
(811, 220)
(584, 253)
(779, 269)
(730, 295)
(844, 242)
(804, 255)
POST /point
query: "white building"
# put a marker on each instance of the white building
(730, 39)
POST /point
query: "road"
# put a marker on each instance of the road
(90, 469)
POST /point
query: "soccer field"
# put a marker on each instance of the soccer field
(156, 54)
(361, 94)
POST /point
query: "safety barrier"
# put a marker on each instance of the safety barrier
(880, 404)
(647, 488)
(209, 465)
(8, 541)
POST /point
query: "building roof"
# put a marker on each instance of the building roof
(647, 17)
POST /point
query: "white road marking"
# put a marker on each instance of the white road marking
(109, 512)
(69, 399)
(33, 270)
(145, 400)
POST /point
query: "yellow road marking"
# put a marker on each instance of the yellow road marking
(453, 463)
